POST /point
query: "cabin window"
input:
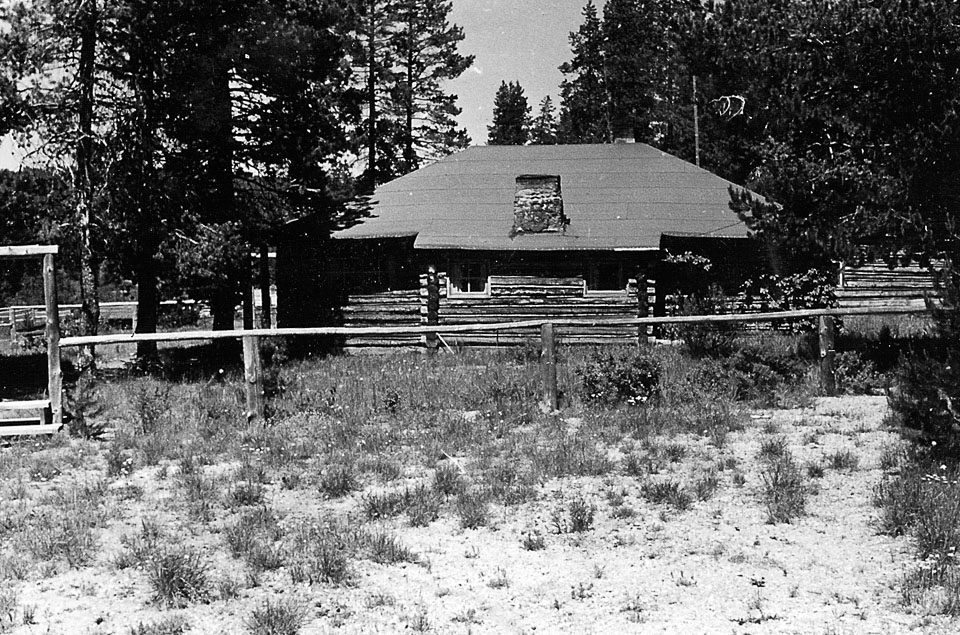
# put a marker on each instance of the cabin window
(606, 276)
(469, 277)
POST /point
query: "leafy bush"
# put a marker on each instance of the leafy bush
(178, 316)
(857, 375)
(926, 392)
(923, 396)
(757, 370)
(612, 379)
(923, 501)
(812, 289)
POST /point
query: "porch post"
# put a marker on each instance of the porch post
(431, 315)
(266, 302)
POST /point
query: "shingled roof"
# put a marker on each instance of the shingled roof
(617, 197)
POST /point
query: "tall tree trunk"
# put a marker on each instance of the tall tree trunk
(223, 306)
(148, 224)
(148, 302)
(83, 184)
(221, 166)
(372, 177)
(409, 156)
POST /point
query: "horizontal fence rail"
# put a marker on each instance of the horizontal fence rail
(251, 346)
(120, 338)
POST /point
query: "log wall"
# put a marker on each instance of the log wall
(514, 298)
(508, 299)
(875, 284)
(390, 308)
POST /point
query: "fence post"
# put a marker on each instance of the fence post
(52, 320)
(548, 366)
(253, 378)
(828, 379)
(13, 324)
(633, 287)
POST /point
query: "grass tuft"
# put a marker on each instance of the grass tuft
(668, 492)
(581, 515)
(472, 508)
(447, 480)
(178, 577)
(533, 541)
(784, 490)
(843, 460)
(174, 625)
(773, 448)
(276, 618)
(339, 480)
(705, 487)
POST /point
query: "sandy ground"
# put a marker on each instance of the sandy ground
(718, 567)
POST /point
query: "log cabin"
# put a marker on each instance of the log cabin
(501, 233)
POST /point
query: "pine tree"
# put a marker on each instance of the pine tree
(426, 56)
(511, 116)
(584, 116)
(630, 60)
(543, 129)
(644, 68)
(370, 31)
(850, 164)
(51, 49)
(212, 123)
(265, 126)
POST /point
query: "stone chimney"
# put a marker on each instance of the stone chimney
(538, 205)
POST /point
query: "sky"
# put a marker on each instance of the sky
(513, 40)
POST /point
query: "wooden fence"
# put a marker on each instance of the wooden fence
(50, 418)
(29, 319)
(548, 333)
(50, 411)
